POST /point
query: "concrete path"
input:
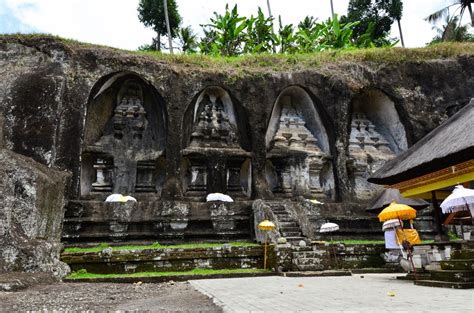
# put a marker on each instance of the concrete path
(357, 293)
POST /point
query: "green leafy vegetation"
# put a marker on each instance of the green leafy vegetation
(452, 30)
(373, 20)
(230, 34)
(152, 14)
(157, 245)
(459, 7)
(82, 274)
(452, 236)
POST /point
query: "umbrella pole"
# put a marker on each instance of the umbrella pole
(399, 245)
(334, 253)
(265, 254)
(437, 214)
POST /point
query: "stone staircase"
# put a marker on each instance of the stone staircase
(288, 226)
(456, 273)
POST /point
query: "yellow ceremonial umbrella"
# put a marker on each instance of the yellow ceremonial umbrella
(266, 226)
(397, 211)
(400, 212)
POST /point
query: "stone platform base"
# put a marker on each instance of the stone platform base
(110, 261)
(163, 221)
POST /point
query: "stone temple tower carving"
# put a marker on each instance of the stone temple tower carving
(125, 158)
(376, 135)
(296, 164)
(368, 151)
(214, 158)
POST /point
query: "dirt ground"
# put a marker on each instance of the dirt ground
(164, 297)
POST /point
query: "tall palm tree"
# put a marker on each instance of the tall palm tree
(397, 9)
(462, 5)
(332, 10)
(188, 39)
(452, 31)
(271, 16)
(167, 19)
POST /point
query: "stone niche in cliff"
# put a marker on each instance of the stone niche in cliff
(216, 146)
(376, 135)
(299, 161)
(124, 138)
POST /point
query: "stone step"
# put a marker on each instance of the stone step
(453, 276)
(288, 224)
(291, 234)
(302, 249)
(307, 261)
(164, 259)
(463, 265)
(462, 254)
(308, 254)
(419, 276)
(290, 229)
(294, 240)
(444, 284)
(286, 219)
(89, 235)
(313, 267)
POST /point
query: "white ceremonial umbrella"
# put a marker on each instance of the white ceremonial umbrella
(130, 198)
(328, 227)
(390, 224)
(217, 196)
(461, 199)
(116, 197)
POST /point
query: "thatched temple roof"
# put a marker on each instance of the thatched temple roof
(449, 144)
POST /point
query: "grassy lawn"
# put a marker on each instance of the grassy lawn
(366, 242)
(358, 242)
(278, 62)
(156, 245)
(199, 272)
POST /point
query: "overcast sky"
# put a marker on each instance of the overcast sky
(115, 22)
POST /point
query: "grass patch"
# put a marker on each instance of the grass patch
(358, 242)
(80, 274)
(367, 242)
(269, 62)
(156, 245)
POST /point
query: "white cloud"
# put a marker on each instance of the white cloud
(115, 22)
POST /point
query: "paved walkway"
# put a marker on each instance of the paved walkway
(357, 293)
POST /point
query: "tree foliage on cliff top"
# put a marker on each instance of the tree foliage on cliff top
(260, 62)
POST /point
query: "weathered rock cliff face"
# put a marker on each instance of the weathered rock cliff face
(31, 215)
(65, 103)
(47, 85)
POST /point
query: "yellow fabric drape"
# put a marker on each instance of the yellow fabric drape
(410, 234)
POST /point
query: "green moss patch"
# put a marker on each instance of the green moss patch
(83, 274)
(156, 245)
(358, 242)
